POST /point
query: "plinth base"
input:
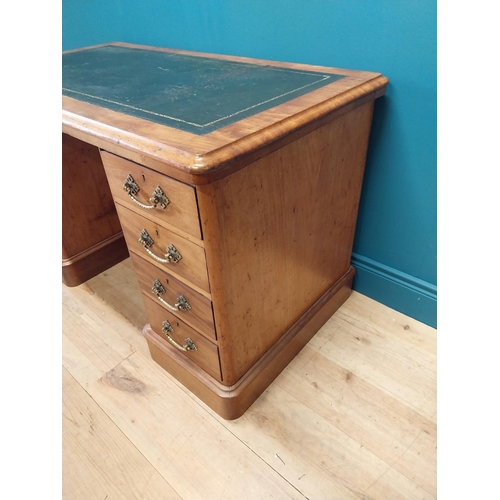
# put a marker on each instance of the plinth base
(230, 402)
(94, 260)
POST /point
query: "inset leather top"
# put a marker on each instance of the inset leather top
(193, 94)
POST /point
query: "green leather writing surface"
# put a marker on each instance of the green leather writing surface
(194, 94)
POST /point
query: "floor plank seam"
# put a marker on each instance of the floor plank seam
(253, 451)
(195, 399)
(371, 330)
(393, 464)
(268, 464)
(215, 420)
(118, 427)
(389, 393)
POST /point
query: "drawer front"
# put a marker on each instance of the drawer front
(192, 265)
(206, 355)
(198, 314)
(181, 211)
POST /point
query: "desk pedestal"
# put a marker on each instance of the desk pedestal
(92, 239)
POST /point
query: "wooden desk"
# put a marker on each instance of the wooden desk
(236, 183)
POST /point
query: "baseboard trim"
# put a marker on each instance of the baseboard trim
(400, 291)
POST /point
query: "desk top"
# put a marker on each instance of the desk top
(195, 94)
(191, 114)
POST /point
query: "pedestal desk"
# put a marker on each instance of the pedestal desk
(234, 186)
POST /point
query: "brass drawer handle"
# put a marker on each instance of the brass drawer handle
(182, 303)
(172, 254)
(158, 197)
(189, 345)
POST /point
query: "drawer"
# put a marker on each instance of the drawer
(179, 334)
(190, 268)
(199, 313)
(181, 211)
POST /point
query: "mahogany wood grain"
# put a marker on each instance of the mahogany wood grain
(200, 316)
(206, 354)
(191, 269)
(92, 238)
(279, 233)
(181, 213)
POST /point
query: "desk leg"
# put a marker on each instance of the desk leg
(92, 239)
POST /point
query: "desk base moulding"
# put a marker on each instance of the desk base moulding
(230, 402)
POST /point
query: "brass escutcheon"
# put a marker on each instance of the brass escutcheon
(182, 303)
(131, 186)
(159, 198)
(173, 254)
(145, 239)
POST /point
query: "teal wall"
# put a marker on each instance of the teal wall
(395, 244)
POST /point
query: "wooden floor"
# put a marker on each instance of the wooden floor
(352, 417)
